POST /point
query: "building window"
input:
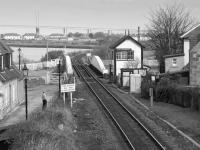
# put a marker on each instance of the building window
(6, 60)
(125, 55)
(112, 54)
(118, 56)
(174, 62)
(131, 55)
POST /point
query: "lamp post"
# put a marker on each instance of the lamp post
(110, 67)
(25, 71)
(59, 75)
(19, 50)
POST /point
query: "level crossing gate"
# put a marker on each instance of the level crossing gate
(126, 72)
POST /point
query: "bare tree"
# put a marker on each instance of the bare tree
(167, 24)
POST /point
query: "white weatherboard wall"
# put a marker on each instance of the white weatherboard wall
(137, 54)
(186, 51)
(10, 99)
(135, 83)
(126, 79)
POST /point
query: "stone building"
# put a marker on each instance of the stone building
(192, 43)
(175, 62)
(195, 65)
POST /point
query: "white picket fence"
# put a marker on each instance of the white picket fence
(54, 78)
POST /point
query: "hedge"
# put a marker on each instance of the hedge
(169, 91)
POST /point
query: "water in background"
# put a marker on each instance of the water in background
(36, 54)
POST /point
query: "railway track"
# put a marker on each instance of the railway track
(136, 135)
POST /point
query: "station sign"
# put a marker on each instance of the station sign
(67, 88)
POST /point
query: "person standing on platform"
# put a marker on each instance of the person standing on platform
(44, 101)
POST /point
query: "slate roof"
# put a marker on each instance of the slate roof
(10, 74)
(4, 49)
(126, 37)
(191, 32)
(174, 55)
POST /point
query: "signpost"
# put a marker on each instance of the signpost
(68, 88)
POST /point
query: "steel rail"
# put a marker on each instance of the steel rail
(109, 113)
(128, 111)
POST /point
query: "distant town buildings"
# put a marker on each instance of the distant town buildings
(141, 37)
(29, 36)
(57, 36)
(12, 36)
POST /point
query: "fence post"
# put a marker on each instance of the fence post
(64, 98)
(151, 96)
(71, 99)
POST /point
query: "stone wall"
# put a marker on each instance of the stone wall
(169, 67)
(195, 68)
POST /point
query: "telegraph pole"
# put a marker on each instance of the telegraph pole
(138, 34)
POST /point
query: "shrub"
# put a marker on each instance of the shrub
(169, 91)
(145, 85)
(42, 132)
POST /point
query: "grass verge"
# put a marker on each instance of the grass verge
(45, 130)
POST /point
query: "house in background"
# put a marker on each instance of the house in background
(12, 36)
(177, 62)
(126, 53)
(189, 60)
(11, 82)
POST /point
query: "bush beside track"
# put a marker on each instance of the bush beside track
(169, 91)
(50, 129)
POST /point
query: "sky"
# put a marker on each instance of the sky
(84, 13)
